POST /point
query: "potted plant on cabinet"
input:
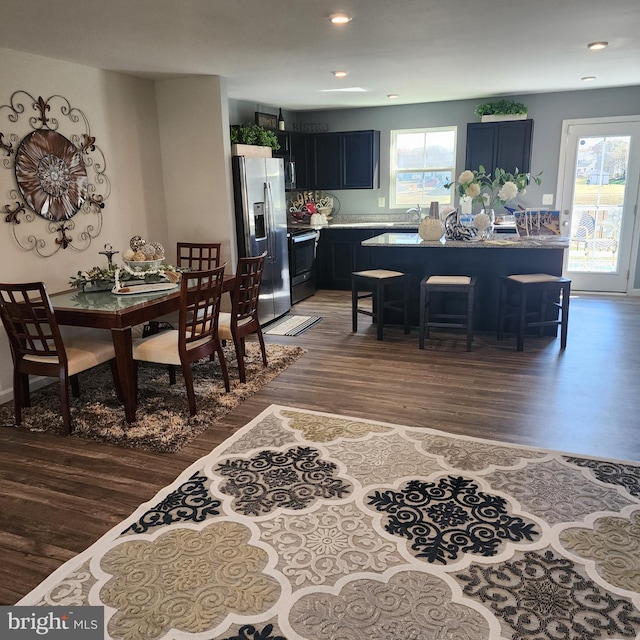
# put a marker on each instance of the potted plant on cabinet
(501, 110)
(253, 140)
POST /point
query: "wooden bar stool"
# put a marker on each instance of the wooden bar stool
(376, 282)
(446, 284)
(515, 291)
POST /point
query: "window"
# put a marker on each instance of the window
(422, 162)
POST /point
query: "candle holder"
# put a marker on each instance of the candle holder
(109, 252)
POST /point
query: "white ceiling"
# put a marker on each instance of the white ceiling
(282, 52)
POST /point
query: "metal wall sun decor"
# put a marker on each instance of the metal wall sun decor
(57, 176)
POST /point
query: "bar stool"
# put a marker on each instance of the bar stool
(376, 282)
(446, 284)
(514, 299)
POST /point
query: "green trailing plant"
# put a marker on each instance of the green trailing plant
(501, 108)
(253, 134)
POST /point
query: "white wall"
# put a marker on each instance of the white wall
(122, 116)
(196, 160)
(187, 167)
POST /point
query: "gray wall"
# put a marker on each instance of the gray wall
(546, 110)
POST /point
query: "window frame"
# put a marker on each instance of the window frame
(394, 171)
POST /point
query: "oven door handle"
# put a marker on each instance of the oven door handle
(304, 237)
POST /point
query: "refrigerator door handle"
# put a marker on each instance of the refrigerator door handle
(268, 196)
(292, 176)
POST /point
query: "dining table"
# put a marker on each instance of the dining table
(119, 313)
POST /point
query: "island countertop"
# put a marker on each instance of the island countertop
(397, 240)
(488, 260)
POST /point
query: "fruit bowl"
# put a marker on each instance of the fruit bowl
(143, 264)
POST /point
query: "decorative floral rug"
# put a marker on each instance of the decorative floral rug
(314, 526)
(163, 421)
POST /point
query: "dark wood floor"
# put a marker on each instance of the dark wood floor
(58, 495)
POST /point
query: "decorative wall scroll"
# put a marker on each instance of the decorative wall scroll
(59, 172)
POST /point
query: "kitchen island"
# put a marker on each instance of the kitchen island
(488, 260)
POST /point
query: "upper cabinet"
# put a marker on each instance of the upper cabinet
(345, 160)
(506, 145)
(326, 169)
(360, 160)
(294, 149)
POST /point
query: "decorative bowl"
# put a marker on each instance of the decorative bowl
(143, 264)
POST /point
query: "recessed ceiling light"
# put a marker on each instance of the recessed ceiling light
(392, 96)
(594, 46)
(346, 90)
(340, 18)
(588, 78)
(340, 74)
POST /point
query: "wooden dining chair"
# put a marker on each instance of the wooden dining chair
(38, 349)
(198, 256)
(243, 319)
(197, 334)
(191, 256)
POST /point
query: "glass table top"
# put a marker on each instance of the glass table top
(104, 300)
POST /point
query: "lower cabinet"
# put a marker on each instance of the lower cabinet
(340, 253)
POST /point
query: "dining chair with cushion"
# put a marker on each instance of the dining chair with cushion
(243, 319)
(198, 256)
(197, 334)
(191, 256)
(38, 348)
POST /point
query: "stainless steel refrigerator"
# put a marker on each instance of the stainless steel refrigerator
(261, 225)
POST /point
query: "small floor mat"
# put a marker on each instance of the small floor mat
(291, 325)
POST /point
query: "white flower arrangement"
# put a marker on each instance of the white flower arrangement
(491, 193)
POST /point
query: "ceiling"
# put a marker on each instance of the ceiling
(282, 52)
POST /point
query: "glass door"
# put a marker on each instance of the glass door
(599, 192)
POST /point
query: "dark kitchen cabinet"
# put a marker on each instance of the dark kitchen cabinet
(294, 150)
(300, 156)
(360, 160)
(325, 161)
(340, 253)
(506, 145)
(345, 160)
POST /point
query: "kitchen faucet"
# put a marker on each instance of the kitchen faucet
(416, 210)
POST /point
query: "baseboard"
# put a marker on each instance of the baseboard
(34, 384)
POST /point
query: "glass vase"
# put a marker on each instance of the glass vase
(484, 222)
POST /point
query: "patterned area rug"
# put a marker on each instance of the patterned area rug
(315, 526)
(163, 420)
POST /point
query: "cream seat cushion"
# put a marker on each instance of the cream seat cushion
(533, 277)
(162, 348)
(83, 352)
(449, 280)
(224, 325)
(379, 273)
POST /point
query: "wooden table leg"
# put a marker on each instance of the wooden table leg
(124, 360)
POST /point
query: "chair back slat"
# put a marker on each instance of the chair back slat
(200, 296)
(29, 320)
(246, 291)
(198, 256)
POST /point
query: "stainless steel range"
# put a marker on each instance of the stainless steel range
(302, 263)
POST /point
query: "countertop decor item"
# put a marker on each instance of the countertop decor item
(59, 172)
(306, 524)
(492, 192)
(432, 228)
